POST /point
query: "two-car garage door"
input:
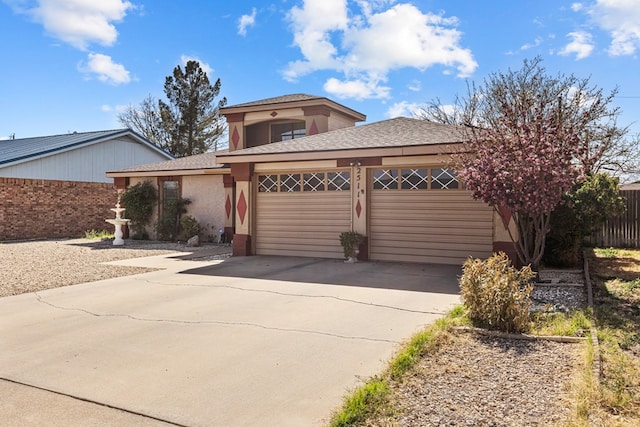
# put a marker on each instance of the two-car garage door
(302, 213)
(421, 215)
(414, 215)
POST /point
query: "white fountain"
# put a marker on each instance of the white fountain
(118, 222)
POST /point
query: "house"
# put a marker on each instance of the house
(77, 156)
(55, 186)
(199, 178)
(299, 172)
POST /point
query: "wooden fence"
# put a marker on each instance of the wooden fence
(622, 231)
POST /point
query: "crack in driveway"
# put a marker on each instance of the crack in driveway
(266, 291)
(211, 322)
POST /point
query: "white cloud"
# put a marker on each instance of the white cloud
(357, 89)
(205, 67)
(105, 69)
(415, 86)
(246, 21)
(536, 42)
(580, 45)
(576, 7)
(621, 18)
(366, 47)
(78, 22)
(403, 109)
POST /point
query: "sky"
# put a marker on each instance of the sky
(73, 65)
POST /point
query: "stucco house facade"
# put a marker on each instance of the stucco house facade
(199, 178)
(299, 172)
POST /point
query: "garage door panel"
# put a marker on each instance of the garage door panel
(439, 226)
(302, 223)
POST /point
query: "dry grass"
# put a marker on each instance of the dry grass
(615, 400)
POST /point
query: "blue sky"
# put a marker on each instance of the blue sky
(72, 65)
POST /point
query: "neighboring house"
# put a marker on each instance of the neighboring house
(55, 186)
(77, 156)
(299, 172)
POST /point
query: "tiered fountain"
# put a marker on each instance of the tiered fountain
(118, 222)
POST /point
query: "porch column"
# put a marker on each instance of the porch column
(241, 174)
(229, 204)
(501, 240)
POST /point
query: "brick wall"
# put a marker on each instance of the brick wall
(38, 209)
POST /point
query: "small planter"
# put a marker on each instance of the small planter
(350, 241)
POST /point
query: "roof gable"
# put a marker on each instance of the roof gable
(291, 101)
(15, 151)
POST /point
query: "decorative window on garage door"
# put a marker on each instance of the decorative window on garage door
(305, 182)
(415, 179)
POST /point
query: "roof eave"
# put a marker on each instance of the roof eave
(357, 116)
(408, 150)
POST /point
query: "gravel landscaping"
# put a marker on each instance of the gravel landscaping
(38, 265)
(477, 380)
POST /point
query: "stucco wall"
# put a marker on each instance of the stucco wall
(39, 209)
(206, 193)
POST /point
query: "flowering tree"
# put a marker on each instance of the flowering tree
(525, 139)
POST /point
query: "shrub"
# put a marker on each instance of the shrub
(496, 295)
(139, 201)
(190, 226)
(168, 226)
(583, 210)
(350, 240)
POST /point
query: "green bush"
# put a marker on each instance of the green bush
(583, 210)
(168, 226)
(496, 295)
(139, 201)
(190, 226)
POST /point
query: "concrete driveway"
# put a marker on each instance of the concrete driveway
(256, 341)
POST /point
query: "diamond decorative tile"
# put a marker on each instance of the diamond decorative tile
(242, 207)
(505, 214)
(313, 130)
(274, 113)
(235, 137)
(358, 208)
(227, 206)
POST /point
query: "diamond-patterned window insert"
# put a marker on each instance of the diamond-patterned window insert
(338, 181)
(268, 183)
(385, 179)
(290, 182)
(444, 179)
(414, 179)
(313, 181)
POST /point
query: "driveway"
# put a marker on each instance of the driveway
(255, 341)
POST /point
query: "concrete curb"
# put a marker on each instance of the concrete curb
(555, 338)
(594, 332)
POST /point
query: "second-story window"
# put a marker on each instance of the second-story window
(287, 131)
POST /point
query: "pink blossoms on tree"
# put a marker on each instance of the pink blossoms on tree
(526, 137)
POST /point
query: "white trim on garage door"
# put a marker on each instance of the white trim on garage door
(421, 215)
(302, 213)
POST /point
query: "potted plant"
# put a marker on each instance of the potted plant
(350, 241)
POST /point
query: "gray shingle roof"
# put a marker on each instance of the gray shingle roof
(195, 162)
(397, 132)
(22, 149)
(277, 100)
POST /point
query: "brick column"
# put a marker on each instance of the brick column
(241, 173)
